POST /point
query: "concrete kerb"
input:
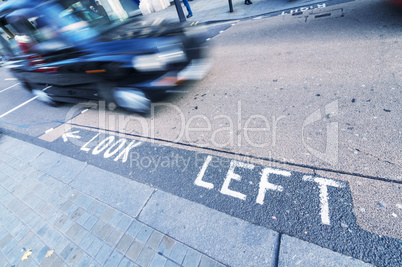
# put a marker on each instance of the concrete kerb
(266, 14)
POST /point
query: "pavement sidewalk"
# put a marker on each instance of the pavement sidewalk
(209, 11)
(58, 211)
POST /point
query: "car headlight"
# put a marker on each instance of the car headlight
(158, 61)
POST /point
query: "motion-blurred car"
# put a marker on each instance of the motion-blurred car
(397, 3)
(68, 53)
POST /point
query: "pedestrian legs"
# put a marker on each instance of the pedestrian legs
(187, 5)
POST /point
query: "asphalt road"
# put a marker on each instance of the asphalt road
(288, 99)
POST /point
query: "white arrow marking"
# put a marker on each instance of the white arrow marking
(65, 136)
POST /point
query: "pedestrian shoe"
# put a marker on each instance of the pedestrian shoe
(189, 15)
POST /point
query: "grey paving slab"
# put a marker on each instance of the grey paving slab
(207, 262)
(192, 258)
(134, 228)
(83, 218)
(58, 262)
(61, 245)
(166, 245)
(144, 233)
(87, 240)
(48, 262)
(95, 247)
(157, 261)
(5, 241)
(145, 256)
(227, 239)
(171, 264)
(114, 259)
(115, 237)
(75, 256)
(296, 252)
(97, 227)
(103, 253)
(74, 229)
(84, 261)
(154, 240)
(119, 192)
(66, 206)
(14, 256)
(124, 243)
(77, 214)
(124, 223)
(60, 167)
(99, 210)
(42, 253)
(105, 232)
(84, 201)
(126, 262)
(115, 219)
(134, 250)
(94, 205)
(66, 191)
(66, 226)
(67, 251)
(80, 235)
(92, 220)
(25, 152)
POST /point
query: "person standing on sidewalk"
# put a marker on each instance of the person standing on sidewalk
(190, 13)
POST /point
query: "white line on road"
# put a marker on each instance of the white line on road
(10, 79)
(26, 102)
(17, 107)
(48, 131)
(324, 196)
(199, 180)
(9, 87)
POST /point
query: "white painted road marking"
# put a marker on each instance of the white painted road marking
(265, 185)
(17, 107)
(48, 131)
(112, 147)
(9, 87)
(232, 175)
(65, 136)
(199, 180)
(23, 104)
(303, 9)
(10, 79)
(84, 147)
(323, 185)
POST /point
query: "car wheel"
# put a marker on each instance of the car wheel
(44, 97)
(132, 100)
